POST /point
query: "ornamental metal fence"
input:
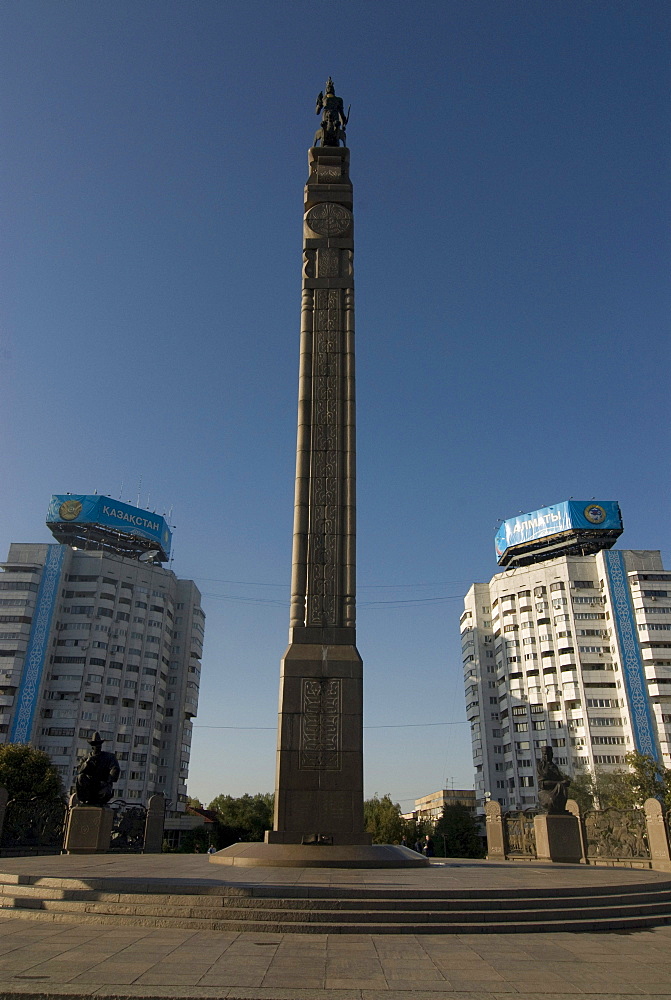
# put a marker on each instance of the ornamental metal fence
(637, 837)
(128, 830)
(33, 826)
(615, 835)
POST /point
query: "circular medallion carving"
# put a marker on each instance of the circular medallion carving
(328, 219)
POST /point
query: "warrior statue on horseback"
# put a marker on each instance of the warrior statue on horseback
(334, 119)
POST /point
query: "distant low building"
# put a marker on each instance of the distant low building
(176, 827)
(429, 808)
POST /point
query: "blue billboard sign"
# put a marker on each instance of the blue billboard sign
(98, 510)
(571, 515)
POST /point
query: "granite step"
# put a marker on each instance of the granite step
(212, 906)
(340, 920)
(333, 909)
(399, 913)
(507, 926)
(156, 891)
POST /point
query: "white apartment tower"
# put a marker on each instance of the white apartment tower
(96, 638)
(570, 647)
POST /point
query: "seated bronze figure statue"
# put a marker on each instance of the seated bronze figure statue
(97, 774)
(552, 784)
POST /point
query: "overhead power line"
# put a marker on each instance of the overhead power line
(363, 605)
(360, 586)
(402, 725)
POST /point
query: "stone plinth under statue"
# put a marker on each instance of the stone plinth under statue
(90, 823)
(557, 830)
(89, 830)
(558, 838)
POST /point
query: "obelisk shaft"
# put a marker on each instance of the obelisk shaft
(323, 583)
(319, 783)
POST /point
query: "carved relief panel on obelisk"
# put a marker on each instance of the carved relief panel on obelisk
(319, 779)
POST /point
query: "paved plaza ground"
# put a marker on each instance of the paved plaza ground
(44, 959)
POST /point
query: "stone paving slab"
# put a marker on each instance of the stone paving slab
(39, 963)
(130, 993)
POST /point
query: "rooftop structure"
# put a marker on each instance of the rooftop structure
(574, 527)
(99, 523)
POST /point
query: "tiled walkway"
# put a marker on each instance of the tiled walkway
(46, 959)
(83, 960)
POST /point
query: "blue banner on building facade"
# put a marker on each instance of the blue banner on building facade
(570, 515)
(76, 509)
(630, 653)
(36, 651)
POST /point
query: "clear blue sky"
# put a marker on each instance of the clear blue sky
(511, 171)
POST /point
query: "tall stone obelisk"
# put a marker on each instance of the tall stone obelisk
(319, 777)
(319, 781)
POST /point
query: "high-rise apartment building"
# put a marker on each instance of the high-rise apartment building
(570, 647)
(102, 638)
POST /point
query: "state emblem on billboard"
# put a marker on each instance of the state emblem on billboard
(70, 510)
(595, 513)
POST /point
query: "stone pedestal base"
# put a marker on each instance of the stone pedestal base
(657, 836)
(496, 848)
(258, 855)
(154, 824)
(89, 830)
(558, 838)
(319, 779)
(317, 840)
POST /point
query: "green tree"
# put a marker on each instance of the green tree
(28, 773)
(457, 834)
(620, 789)
(200, 838)
(582, 790)
(613, 790)
(251, 815)
(648, 779)
(383, 819)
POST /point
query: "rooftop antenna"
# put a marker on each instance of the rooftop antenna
(139, 487)
(121, 490)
